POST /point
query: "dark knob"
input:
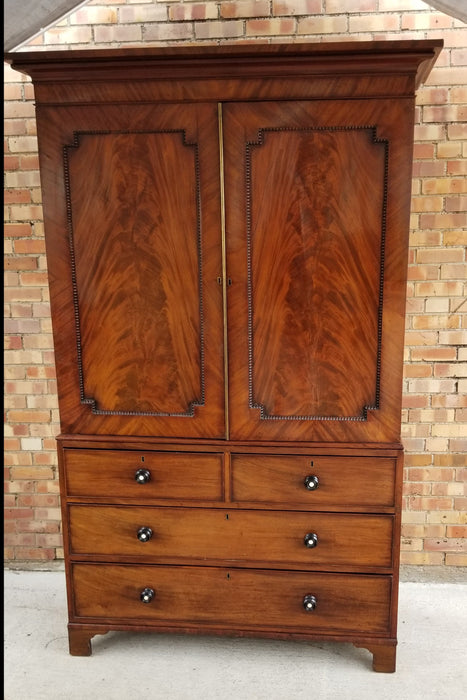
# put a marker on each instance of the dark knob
(309, 603)
(142, 476)
(144, 534)
(146, 595)
(311, 482)
(311, 539)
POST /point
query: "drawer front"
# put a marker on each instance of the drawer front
(239, 598)
(276, 538)
(332, 481)
(144, 475)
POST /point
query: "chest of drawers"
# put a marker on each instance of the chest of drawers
(227, 239)
(290, 545)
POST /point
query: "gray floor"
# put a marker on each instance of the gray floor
(432, 655)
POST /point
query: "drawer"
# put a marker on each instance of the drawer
(237, 598)
(278, 539)
(332, 481)
(163, 475)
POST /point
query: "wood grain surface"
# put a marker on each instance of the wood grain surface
(138, 265)
(132, 204)
(320, 293)
(345, 542)
(239, 598)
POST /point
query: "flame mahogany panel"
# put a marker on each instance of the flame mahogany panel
(316, 240)
(138, 288)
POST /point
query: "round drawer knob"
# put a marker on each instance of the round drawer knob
(309, 603)
(310, 540)
(147, 595)
(311, 482)
(142, 476)
(144, 534)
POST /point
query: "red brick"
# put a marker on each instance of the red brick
(30, 162)
(29, 416)
(456, 204)
(173, 31)
(456, 531)
(456, 167)
(20, 230)
(194, 11)
(428, 169)
(443, 220)
(429, 354)
(433, 95)
(424, 151)
(430, 474)
(17, 513)
(445, 113)
(21, 263)
(16, 196)
(12, 342)
(268, 27)
(430, 503)
(28, 554)
(30, 246)
(415, 401)
(444, 185)
(449, 400)
(416, 489)
(294, 7)
(11, 163)
(423, 272)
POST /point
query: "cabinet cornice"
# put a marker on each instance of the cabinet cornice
(230, 72)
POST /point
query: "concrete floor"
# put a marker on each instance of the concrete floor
(431, 660)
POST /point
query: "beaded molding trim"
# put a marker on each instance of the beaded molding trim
(88, 400)
(264, 415)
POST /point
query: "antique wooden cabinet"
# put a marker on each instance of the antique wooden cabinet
(227, 233)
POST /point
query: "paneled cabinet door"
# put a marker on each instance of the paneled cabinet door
(317, 204)
(132, 204)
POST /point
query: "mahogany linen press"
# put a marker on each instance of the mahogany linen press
(227, 240)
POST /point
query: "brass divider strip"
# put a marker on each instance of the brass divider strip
(224, 268)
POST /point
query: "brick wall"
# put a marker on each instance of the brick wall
(434, 413)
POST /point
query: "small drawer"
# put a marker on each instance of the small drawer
(144, 475)
(276, 539)
(234, 598)
(314, 481)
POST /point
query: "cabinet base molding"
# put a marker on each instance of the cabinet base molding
(383, 651)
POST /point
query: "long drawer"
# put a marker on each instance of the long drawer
(239, 598)
(314, 481)
(277, 538)
(144, 474)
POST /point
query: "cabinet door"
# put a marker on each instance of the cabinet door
(317, 205)
(132, 205)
